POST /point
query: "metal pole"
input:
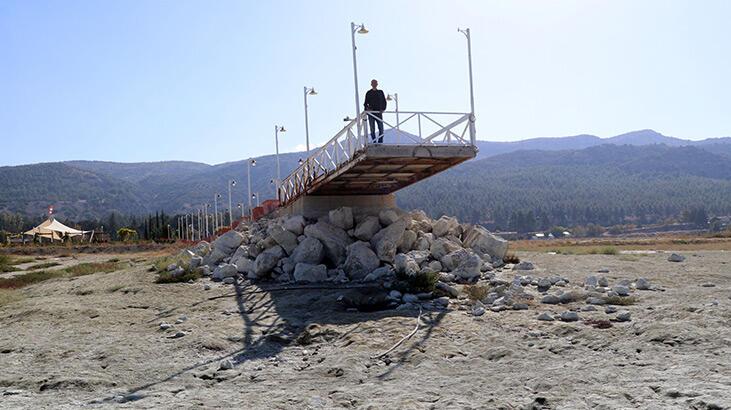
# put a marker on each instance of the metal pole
(355, 79)
(398, 126)
(276, 141)
(230, 211)
(307, 126)
(466, 33)
(248, 177)
(215, 211)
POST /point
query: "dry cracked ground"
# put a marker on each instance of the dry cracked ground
(95, 342)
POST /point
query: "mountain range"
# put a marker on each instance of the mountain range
(642, 168)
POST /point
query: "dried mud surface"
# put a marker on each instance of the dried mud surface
(95, 342)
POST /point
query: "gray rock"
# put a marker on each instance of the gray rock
(386, 241)
(451, 260)
(229, 280)
(525, 265)
(603, 282)
(610, 309)
(569, 316)
(544, 284)
(405, 265)
(379, 273)
(241, 252)
(309, 251)
(589, 308)
(676, 258)
(225, 271)
(546, 317)
(410, 298)
(295, 224)
(333, 239)
(172, 267)
(202, 248)
(387, 217)
(621, 290)
(225, 364)
(196, 261)
(361, 260)
(304, 272)
(267, 260)
(478, 310)
(436, 266)
(422, 244)
(469, 268)
(179, 271)
(368, 227)
(603, 270)
(205, 270)
(165, 326)
(642, 284)
(591, 281)
(341, 217)
(623, 316)
(550, 299)
(481, 240)
(441, 247)
(395, 295)
(442, 301)
(284, 238)
(228, 242)
(595, 301)
(214, 257)
(206, 287)
(445, 226)
(244, 265)
(407, 241)
(449, 290)
(520, 306)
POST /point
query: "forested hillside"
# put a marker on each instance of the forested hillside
(520, 190)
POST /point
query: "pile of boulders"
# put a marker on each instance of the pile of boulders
(351, 246)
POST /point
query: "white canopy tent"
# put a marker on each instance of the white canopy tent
(54, 230)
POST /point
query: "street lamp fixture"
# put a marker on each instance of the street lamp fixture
(277, 130)
(308, 91)
(466, 33)
(250, 163)
(360, 29)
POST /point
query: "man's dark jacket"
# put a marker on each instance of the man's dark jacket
(375, 100)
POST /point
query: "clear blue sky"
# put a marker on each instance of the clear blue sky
(207, 80)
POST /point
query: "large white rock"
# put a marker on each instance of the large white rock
(453, 259)
(368, 227)
(241, 252)
(267, 260)
(295, 224)
(407, 241)
(214, 257)
(305, 272)
(341, 217)
(224, 271)
(361, 260)
(405, 265)
(333, 239)
(244, 265)
(310, 250)
(469, 268)
(228, 242)
(284, 238)
(201, 248)
(386, 241)
(446, 225)
(481, 240)
(440, 247)
(388, 216)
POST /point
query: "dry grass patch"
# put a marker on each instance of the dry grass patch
(620, 300)
(89, 268)
(43, 265)
(476, 292)
(81, 269)
(8, 296)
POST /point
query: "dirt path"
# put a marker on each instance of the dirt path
(95, 341)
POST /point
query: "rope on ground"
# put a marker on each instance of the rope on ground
(405, 338)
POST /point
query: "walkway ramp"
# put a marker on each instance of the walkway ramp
(416, 146)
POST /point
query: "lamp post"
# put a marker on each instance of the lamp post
(250, 163)
(394, 97)
(205, 216)
(360, 29)
(256, 195)
(215, 211)
(308, 91)
(241, 209)
(466, 33)
(231, 183)
(277, 130)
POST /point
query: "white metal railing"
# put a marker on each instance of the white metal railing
(400, 128)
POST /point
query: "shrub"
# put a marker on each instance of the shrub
(511, 258)
(605, 250)
(620, 300)
(126, 234)
(89, 268)
(167, 277)
(476, 292)
(421, 282)
(43, 265)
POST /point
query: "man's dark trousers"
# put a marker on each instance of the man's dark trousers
(373, 119)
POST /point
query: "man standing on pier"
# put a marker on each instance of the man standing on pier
(375, 102)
